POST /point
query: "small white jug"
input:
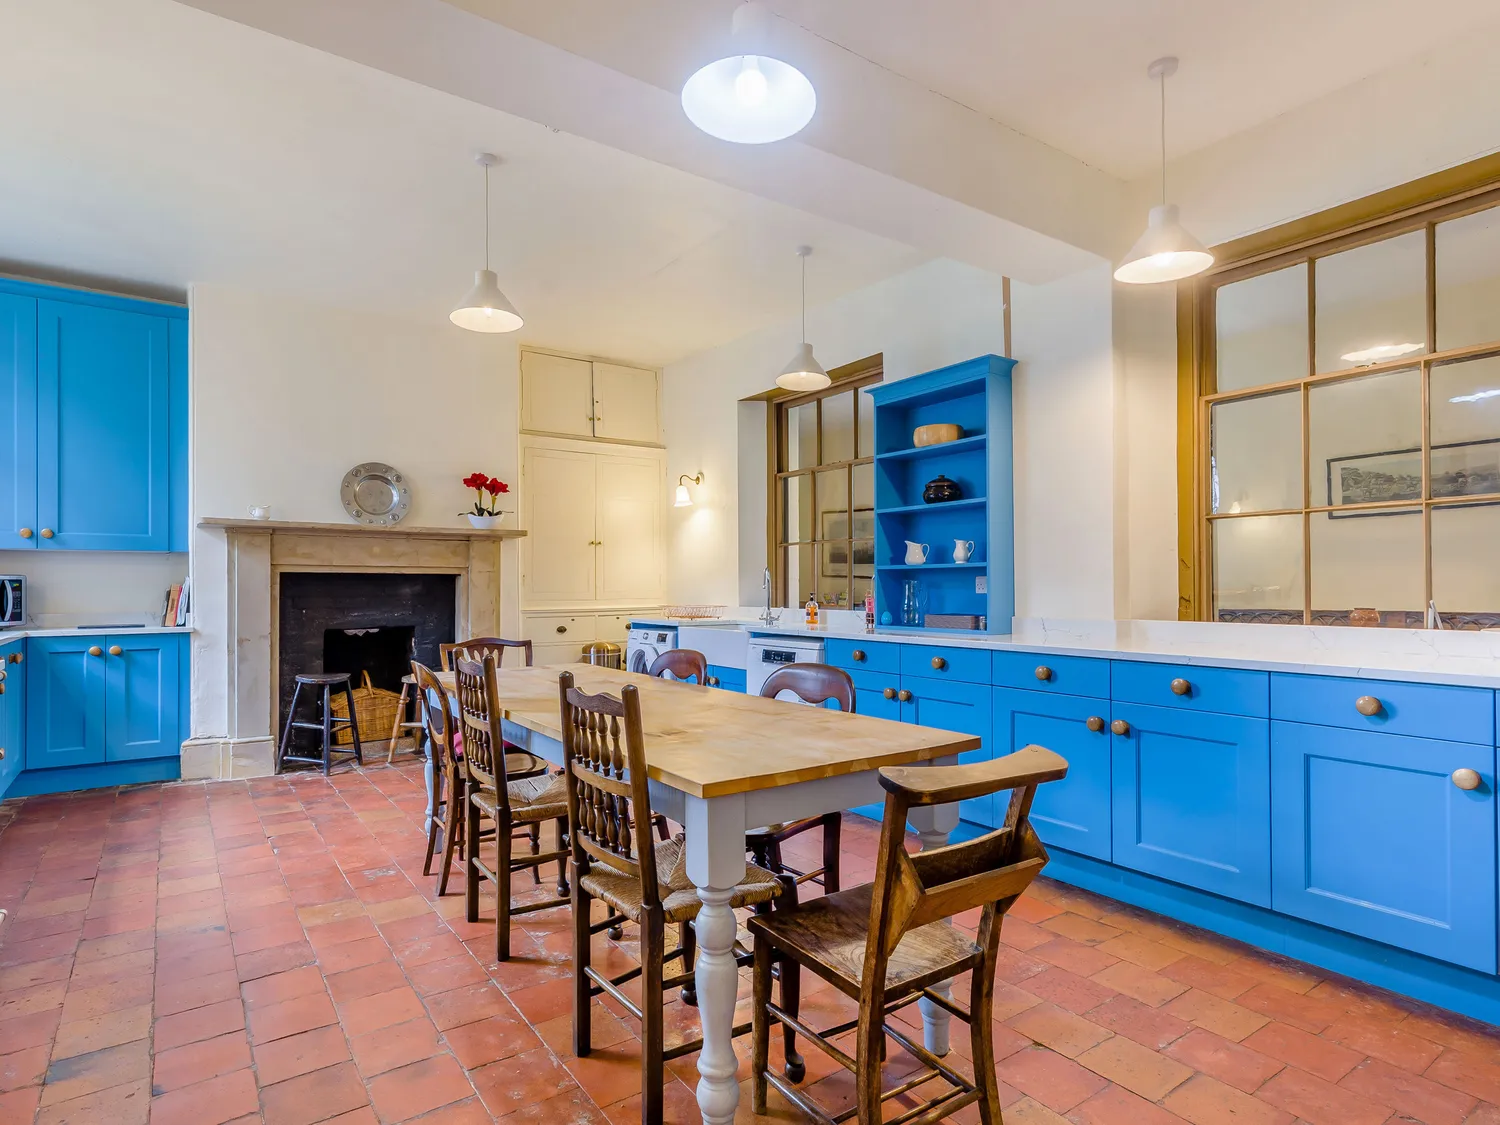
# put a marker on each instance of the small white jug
(916, 553)
(260, 511)
(963, 550)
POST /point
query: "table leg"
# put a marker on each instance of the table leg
(715, 831)
(933, 825)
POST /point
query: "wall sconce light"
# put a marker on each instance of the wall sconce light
(684, 498)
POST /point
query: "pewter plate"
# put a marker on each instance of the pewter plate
(375, 494)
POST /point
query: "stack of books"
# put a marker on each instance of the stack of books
(178, 602)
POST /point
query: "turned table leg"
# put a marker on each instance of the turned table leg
(933, 825)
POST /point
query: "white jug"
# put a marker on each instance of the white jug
(963, 550)
(916, 553)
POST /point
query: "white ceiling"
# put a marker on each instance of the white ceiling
(146, 141)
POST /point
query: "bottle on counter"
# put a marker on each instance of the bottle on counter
(812, 612)
(870, 612)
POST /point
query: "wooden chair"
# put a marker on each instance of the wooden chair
(608, 802)
(886, 944)
(680, 663)
(815, 684)
(519, 763)
(446, 801)
(507, 802)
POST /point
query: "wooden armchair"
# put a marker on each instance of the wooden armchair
(886, 944)
(680, 664)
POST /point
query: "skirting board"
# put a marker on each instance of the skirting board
(70, 779)
(225, 759)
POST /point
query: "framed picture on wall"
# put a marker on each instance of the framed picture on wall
(1461, 468)
(833, 528)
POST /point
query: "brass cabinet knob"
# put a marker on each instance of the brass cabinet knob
(1368, 705)
(1043, 672)
(2, 753)
(1181, 686)
(2, 677)
(1094, 723)
(115, 650)
(26, 533)
(904, 695)
(16, 658)
(2, 689)
(46, 533)
(95, 650)
(858, 654)
(1466, 779)
(939, 663)
(562, 628)
(713, 681)
(889, 693)
(1120, 726)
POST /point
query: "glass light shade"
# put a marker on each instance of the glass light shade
(485, 308)
(804, 373)
(1379, 353)
(749, 99)
(683, 499)
(1166, 252)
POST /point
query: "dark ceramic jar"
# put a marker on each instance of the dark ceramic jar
(940, 490)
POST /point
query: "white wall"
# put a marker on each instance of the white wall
(287, 397)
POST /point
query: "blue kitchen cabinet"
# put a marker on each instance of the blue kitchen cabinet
(730, 679)
(17, 421)
(1373, 837)
(878, 696)
(12, 711)
(1192, 798)
(956, 706)
(64, 702)
(1073, 813)
(141, 696)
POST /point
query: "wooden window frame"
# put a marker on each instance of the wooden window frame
(1420, 205)
(846, 380)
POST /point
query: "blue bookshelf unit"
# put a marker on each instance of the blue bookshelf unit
(976, 396)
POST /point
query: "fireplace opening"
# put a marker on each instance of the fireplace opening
(384, 651)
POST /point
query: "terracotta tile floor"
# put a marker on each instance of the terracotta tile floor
(270, 951)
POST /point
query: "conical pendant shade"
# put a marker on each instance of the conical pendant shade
(804, 373)
(485, 308)
(1166, 252)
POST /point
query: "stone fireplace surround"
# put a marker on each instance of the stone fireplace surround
(237, 568)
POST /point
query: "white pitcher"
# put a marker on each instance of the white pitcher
(963, 550)
(916, 553)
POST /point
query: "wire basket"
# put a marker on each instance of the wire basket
(692, 612)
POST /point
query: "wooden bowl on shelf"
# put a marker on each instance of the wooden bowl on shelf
(936, 434)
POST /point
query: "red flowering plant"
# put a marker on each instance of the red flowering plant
(483, 485)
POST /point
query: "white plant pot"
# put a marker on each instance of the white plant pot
(485, 523)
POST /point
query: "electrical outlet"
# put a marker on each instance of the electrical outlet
(981, 585)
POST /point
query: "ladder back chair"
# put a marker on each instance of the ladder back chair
(887, 943)
(815, 684)
(446, 800)
(507, 802)
(519, 763)
(680, 664)
(615, 860)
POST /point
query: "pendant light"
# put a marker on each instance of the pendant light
(1166, 252)
(484, 308)
(804, 373)
(749, 97)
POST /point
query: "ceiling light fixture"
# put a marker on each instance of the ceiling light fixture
(1477, 396)
(684, 497)
(484, 308)
(749, 97)
(1379, 353)
(1166, 252)
(804, 373)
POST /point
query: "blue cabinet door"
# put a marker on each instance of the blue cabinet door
(64, 702)
(956, 706)
(1373, 837)
(1073, 813)
(103, 416)
(1192, 799)
(17, 422)
(12, 711)
(141, 697)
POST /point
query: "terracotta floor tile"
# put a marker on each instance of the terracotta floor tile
(198, 1023)
(1060, 1030)
(381, 976)
(314, 1097)
(1139, 1069)
(302, 1053)
(1141, 950)
(1222, 1017)
(354, 954)
(1233, 1063)
(500, 1037)
(183, 1066)
(109, 1030)
(1075, 956)
(1207, 1101)
(1410, 1094)
(126, 1104)
(518, 1082)
(302, 1013)
(277, 988)
(213, 1101)
(1470, 1072)
(100, 1070)
(1148, 987)
(22, 1068)
(444, 975)
(1068, 990)
(1311, 1099)
(468, 1004)
(419, 1088)
(1057, 1082)
(20, 1105)
(1118, 1106)
(390, 1047)
(1328, 1061)
(276, 959)
(1384, 1040)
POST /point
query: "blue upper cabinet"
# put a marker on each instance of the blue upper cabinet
(93, 392)
(976, 397)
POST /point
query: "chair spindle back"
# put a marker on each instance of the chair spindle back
(437, 718)
(477, 648)
(479, 721)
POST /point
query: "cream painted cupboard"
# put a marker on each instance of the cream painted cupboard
(571, 396)
(557, 638)
(595, 520)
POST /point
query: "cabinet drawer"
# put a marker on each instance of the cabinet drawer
(1453, 714)
(1226, 691)
(1036, 671)
(854, 656)
(938, 662)
(555, 629)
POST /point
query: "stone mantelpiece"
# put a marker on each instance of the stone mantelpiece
(236, 589)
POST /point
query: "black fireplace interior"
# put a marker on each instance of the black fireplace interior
(357, 623)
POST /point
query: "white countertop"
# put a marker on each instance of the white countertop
(1470, 659)
(7, 635)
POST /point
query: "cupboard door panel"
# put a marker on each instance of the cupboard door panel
(630, 528)
(961, 707)
(64, 702)
(17, 422)
(1073, 813)
(140, 697)
(559, 551)
(103, 462)
(627, 403)
(1373, 837)
(12, 712)
(557, 395)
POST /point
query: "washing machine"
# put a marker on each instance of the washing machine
(766, 654)
(646, 643)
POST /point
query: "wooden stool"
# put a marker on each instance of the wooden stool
(403, 724)
(329, 682)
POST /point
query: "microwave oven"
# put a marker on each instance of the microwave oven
(12, 600)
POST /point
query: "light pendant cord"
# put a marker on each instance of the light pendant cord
(1163, 80)
(487, 216)
(804, 298)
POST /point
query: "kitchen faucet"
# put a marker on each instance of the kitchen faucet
(769, 617)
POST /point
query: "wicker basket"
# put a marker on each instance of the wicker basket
(374, 710)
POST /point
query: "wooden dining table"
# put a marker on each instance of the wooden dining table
(721, 763)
